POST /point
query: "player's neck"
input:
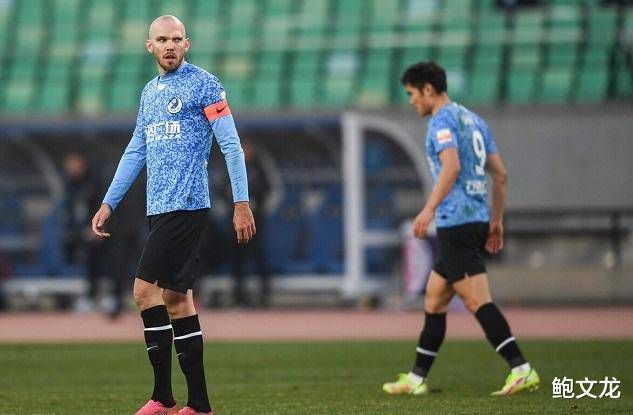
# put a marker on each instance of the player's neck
(441, 101)
(162, 72)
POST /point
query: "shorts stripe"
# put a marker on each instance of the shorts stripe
(159, 328)
(503, 343)
(186, 336)
(426, 352)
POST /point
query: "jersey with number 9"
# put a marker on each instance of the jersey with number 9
(454, 126)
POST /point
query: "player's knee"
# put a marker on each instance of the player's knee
(472, 303)
(177, 304)
(145, 296)
(433, 305)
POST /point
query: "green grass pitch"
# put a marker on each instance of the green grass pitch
(308, 378)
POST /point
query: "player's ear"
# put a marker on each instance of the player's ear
(427, 89)
(148, 46)
(187, 44)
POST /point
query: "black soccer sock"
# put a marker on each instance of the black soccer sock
(188, 342)
(431, 339)
(158, 338)
(498, 334)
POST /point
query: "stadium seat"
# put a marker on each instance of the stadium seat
(376, 79)
(54, 95)
(20, 92)
(483, 86)
(521, 86)
(556, 85)
(592, 86)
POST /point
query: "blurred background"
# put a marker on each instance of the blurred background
(334, 153)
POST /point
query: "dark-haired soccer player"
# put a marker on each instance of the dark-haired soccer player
(460, 150)
(181, 110)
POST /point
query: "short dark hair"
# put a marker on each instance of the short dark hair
(423, 73)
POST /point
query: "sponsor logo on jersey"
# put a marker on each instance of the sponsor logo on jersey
(164, 130)
(476, 187)
(444, 136)
(174, 106)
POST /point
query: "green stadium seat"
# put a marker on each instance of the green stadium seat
(19, 93)
(276, 34)
(127, 82)
(271, 66)
(375, 91)
(521, 86)
(592, 86)
(562, 55)
(206, 25)
(54, 95)
(236, 66)
(491, 30)
(240, 34)
(5, 12)
(556, 85)
(238, 94)
(337, 92)
(206, 60)
(384, 13)
(267, 94)
(278, 8)
(29, 27)
(175, 8)
(525, 57)
(311, 23)
(306, 65)
(528, 27)
(64, 34)
(562, 16)
(90, 99)
(596, 56)
(376, 80)
(602, 28)
(303, 94)
(623, 82)
(483, 87)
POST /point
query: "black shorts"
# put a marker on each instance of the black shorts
(170, 255)
(461, 251)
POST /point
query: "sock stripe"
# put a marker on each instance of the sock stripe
(159, 328)
(426, 352)
(503, 343)
(186, 336)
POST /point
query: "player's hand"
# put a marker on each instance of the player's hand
(244, 222)
(100, 219)
(421, 223)
(494, 244)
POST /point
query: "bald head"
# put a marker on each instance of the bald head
(167, 42)
(166, 22)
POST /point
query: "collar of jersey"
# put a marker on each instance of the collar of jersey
(172, 74)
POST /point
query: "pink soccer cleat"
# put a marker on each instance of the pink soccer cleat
(156, 408)
(190, 411)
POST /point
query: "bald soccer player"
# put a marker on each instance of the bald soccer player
(181, 110)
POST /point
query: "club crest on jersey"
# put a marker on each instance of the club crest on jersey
(174, 106)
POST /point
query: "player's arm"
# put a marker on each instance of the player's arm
(130, 165)
(449, 172)
(225, 133)
(499, 176)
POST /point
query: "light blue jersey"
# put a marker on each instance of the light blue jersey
(179, 115)
(456, 127)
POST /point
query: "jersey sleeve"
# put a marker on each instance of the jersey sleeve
(489, 141)
(213, 98)
(131, 164)
(442, 135)
(218, 112)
